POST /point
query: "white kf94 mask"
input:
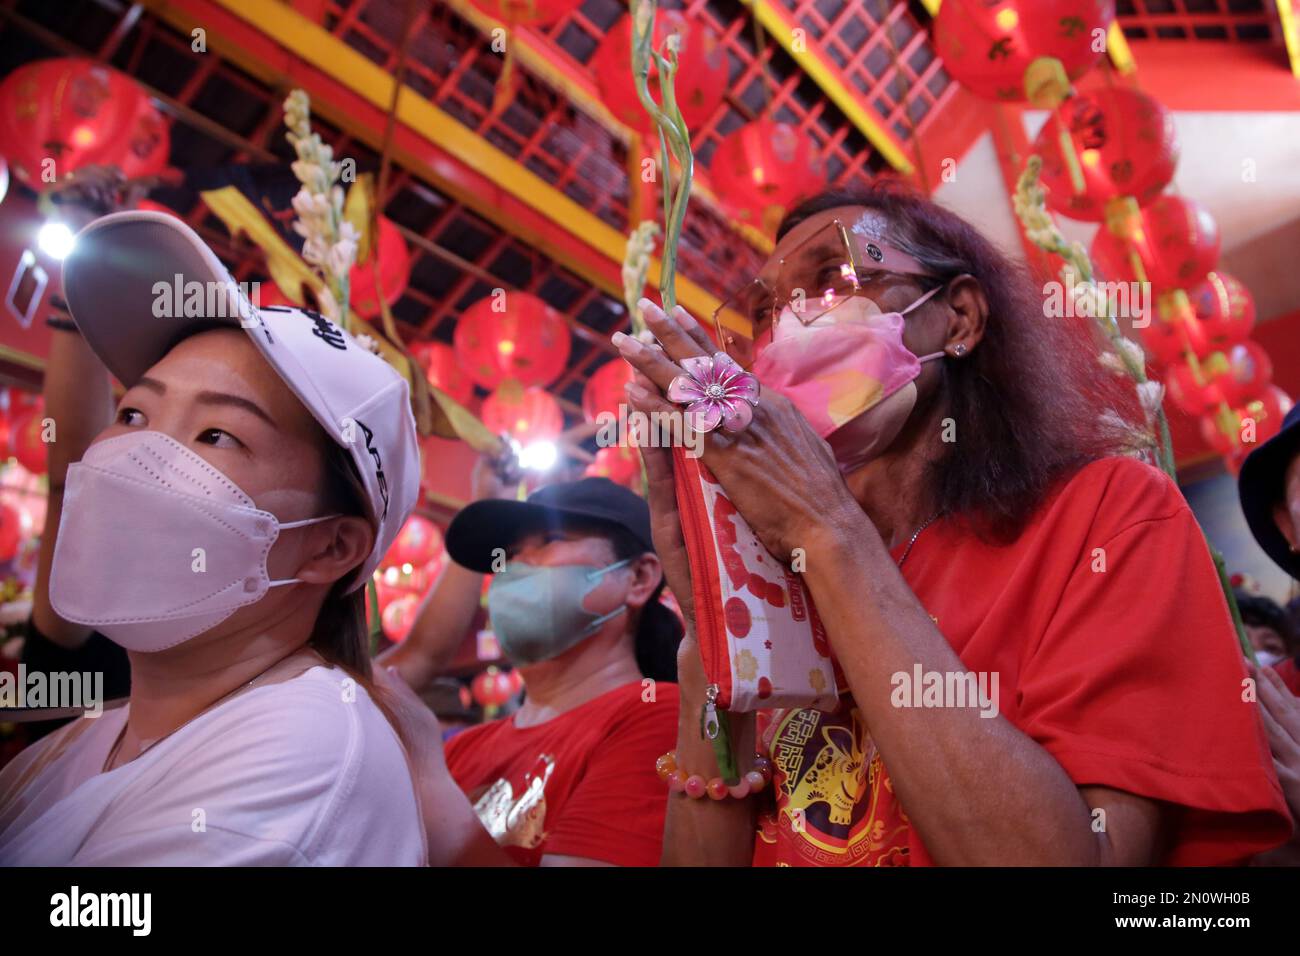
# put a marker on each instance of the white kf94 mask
(157, 546)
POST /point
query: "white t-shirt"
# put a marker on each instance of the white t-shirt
(303, 772)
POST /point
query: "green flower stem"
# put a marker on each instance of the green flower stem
(674, 136)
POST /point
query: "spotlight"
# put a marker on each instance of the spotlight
(539, 456)
(56, 239)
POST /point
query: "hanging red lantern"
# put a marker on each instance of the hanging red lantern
(525, 414)
(27, 438)
(1117, 143)
(1175, 243)
(78, 113)
(1224, 307)
(700, 83)
(399, 616)
(1237, 432)
(527, 12)
(1174, 329)
(604, 390)
(990, 48)
(394, 271)
(512, 335)
(1240, 373)
(762, 169)
(418, 543)
(491, 688)
(1192, 391)
(443, 370)
(11, 531)
(621, 464)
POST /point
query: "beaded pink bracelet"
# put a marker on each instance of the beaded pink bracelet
(695, 786)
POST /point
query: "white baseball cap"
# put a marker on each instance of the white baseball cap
(130, 273)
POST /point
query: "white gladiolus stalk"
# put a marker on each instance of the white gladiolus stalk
(329, 241)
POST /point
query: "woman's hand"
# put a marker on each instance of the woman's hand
(453, 834)
(1280, 711)
(777, 472)
(666, 527)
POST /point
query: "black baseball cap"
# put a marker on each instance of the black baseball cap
(1260, 486)
(484, 526)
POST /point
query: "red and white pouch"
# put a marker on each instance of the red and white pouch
(762, 642)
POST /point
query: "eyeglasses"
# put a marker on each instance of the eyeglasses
(808, 282)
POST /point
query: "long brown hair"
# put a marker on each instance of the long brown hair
(1029, 400)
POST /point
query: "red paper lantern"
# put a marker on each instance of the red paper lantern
(527, 12)
(399, 616)
(1240, 373)
(620, 464)
(78, 113)
(701, 80)
(11, 531)
(762, 169)
(604, 390)
(418, 543)
(394, 272)
(492, 688)
(1177, 242)
(1174, 329)
(1194, 396)
(443, 370)
(512, 335)
(988, 47)
(525, 414)
(1243, 429)
(1224, 307)
(26, 438)
(1124, 143)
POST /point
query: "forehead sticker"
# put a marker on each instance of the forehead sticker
(872, 225)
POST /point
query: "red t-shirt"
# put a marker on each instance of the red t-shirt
(1114, 650)
(582, 784)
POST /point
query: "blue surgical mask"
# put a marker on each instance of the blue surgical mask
(537, 611)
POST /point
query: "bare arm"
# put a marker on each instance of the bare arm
(79, 400)
(949, 765)
(449, 608)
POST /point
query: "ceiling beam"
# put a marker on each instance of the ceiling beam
(281, 47)
(779, 24)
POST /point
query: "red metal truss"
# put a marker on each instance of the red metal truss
(1239, 21)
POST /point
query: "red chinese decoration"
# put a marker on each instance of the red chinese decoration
(394, 271)
(1235, 433)
(418, 543)
(989, 48)
(512, 335)
(525, 414)
(1174, 330)
(1224, 307)
(11, 531)
(1240, 373)
(701, 80)
(1172, 243)
(604, 390)
(492, 688)
(763, 169)
(78, 113)
(1119, 143)
(399, 616)
(620, 464)
(527, 12)
(26, 438)
(443, 370)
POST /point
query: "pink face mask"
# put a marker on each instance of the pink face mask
(849, 373)
(155, 545)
